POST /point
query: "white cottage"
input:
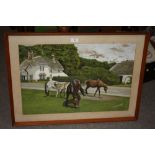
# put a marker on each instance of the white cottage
(124, 71)
(40, 68)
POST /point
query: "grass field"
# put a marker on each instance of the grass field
(35, 102)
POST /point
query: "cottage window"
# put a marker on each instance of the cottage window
(42, 68)
(23, 78)
(42, 76)
(31, 77)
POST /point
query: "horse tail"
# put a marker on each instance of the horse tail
(46, 91)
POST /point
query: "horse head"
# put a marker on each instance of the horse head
(105, 88)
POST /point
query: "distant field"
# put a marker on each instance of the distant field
(35, 102)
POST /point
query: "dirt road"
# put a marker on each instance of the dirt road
(112, 90)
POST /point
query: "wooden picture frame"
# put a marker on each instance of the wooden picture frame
(78, 55)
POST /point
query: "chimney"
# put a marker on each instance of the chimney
(53, 58)
(30, 55)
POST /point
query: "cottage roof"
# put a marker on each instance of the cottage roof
(123, 68)
(39, 60)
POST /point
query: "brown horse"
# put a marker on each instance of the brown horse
(73, 89)
(96, 84)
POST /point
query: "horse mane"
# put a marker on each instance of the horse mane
(105, 85)
(77, 83)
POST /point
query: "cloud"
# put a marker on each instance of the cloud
(107, 52)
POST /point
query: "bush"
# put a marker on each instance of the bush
(61, 79)
(95, 73)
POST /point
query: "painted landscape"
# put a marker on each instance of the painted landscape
(67, 78)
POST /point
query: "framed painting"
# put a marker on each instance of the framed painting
(75, 78)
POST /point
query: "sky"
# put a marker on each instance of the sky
(107, 52)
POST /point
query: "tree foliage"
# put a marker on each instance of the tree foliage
(66, 54)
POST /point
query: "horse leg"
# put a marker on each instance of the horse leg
(66, 100)
(68, 92)
(46, 89)
(60, 93)
(99, 91)
(57, 93)
(74, 97)
(67, 96)
(78, 102)
(64, 93)
(86, 90)
(96, 91)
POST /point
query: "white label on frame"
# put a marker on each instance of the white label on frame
(74, 40)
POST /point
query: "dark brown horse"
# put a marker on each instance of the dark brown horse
(96, 84)
(73, 89)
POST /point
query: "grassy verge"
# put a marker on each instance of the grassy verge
(35, 102)
(33, 81)
(122, 85)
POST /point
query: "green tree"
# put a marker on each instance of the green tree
(95, 63)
